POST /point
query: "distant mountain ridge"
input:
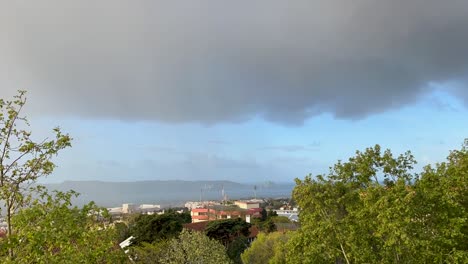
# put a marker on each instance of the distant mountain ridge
(166, 192)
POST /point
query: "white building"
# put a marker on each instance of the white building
(126, 243)
(115, 210)
(292, 215)
(247, 204)
(129, 208)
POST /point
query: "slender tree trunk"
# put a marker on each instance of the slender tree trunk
(8, 219)
(9, 228)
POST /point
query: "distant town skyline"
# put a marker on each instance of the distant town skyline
(267, 91)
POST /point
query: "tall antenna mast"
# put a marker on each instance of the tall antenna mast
(201, 194)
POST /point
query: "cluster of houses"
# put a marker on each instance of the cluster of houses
(210, 210)
(204, 212)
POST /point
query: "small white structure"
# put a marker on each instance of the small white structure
(292, 215)
(129, 208)
(247, 218)
(149, 208)
(115, 210)
(247, 204)
(126, 243)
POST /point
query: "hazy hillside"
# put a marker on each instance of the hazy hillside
(165, 192)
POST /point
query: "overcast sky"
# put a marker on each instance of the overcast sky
(240, 90)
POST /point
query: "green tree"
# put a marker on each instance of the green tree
(22, 159)
(232, 233)
(267, 248)
(226, 231)
(334, 212)
(152, 228)
(154, 253)
(184, 216)
(122, 231)
(193, 247)
(271, 213)
(236, 248)
(280, 219)
(269, 226)
(51, 231)
(350, 216)
(264, 214)
(441, 209)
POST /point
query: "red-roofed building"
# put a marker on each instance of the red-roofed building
(217, 212)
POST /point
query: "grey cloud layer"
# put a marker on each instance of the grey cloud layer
(213, 61)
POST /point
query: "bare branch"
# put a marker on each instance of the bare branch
(10, 129)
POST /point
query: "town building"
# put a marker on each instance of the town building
(129, 208)
(247, 204)
(240, 209)
(291, 214)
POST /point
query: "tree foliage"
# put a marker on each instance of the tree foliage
(232, 233)
(122, 231)
(150, 253)
(266, 222)
(280, 219)
(153, 228)
(236, 248)
(51, 231)
(196, 248)
(190, 247)
(226, 231)
(267, 248)
(375, 209)
(22, 159)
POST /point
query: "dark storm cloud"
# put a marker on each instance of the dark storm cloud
(214, 61)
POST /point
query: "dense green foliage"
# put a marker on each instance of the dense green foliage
(195, 247)
(236, 248)
(122, 231)
(349, 216)
(280, 219)
(189, 247)
(153, 228)
(226, 231)
(267, 248)
(50, 231)
(269, 226)
(232, 233)
(154, 253)
(266, 222)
